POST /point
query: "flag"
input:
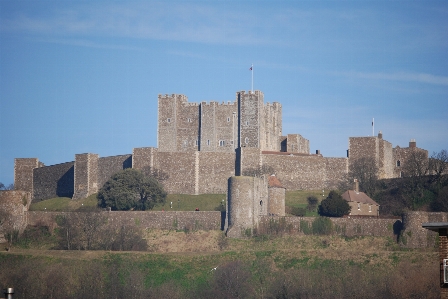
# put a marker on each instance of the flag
(250, 69)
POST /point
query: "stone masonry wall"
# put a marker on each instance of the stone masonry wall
(143, 157)
(414, 235)
(250, 106)
(203, 220)
(335, 171)
(298, 172)
(219, 127)
(349, 227)
(181, 168)
(360, 147)
(386, 160)
(213, 171)
(273, 125)
(53, 181)
(168, 106)
(13, 207)
(23, 173)
(86, 175)
(108, 166)
(276, 201)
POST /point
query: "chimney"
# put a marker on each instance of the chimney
(380, 135)
(356, 185)
(412, 143)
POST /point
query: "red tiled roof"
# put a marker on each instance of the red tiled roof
(274, 182)
(361, 197)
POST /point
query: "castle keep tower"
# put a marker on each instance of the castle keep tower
(218, 127)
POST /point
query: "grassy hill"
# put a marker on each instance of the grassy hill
(180, 202)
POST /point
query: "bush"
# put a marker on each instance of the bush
(334, 206)
(131, 190)
(322, 226)
(312, 203)
(297, 211)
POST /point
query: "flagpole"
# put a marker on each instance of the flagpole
(373, 126)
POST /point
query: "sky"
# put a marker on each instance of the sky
(84, 76)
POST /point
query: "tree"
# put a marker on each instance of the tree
(334, 205)
(9, 187)
(312, 203)
(438, 164)
(365, 170)
(131, 190)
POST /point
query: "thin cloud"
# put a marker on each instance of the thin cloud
(89, 44)
(146, 21)
(399, 76)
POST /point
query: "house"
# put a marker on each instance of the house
(442, 229)
(361, 203)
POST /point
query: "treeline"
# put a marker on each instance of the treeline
(120, 276)
(81, 231)
(425, 193)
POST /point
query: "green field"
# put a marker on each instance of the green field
(180, 202)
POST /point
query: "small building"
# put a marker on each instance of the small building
(361, 203)
(442, 229)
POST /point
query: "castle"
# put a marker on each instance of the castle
(201, 145)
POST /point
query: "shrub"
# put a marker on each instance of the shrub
(322, 226)
(334, 206)
(297, 211)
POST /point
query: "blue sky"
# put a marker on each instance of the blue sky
(83, 76)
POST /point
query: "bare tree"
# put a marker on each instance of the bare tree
(438, 165)
(365, 170)
(415, 170)
(9, 187)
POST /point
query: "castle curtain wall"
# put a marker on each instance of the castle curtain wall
(53, 181)
(298, 172)
(108, 166)
(23, 173)
(335, 171)
(214, 169)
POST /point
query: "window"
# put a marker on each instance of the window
(398, 163)
(370, 208)
(246, 140)
(189, 120)
(247, 123)
(208, 142)
(228, 119)
(196, 142)
(168, 120)
(231, 141)
(222, 143)
(359, 206)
